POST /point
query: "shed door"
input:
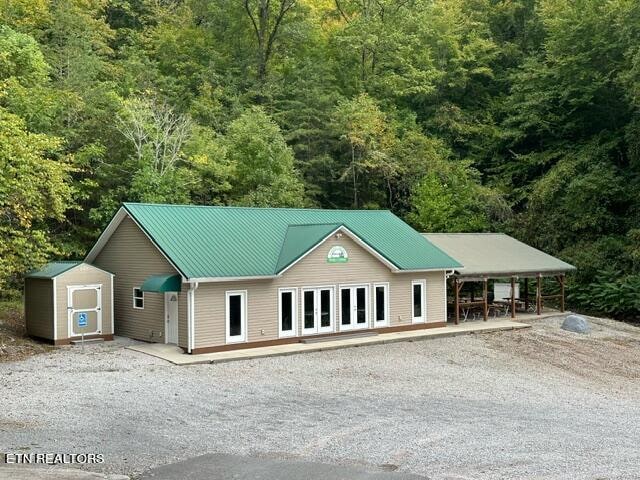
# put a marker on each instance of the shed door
(85, 309)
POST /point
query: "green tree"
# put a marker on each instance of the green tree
(363, 127)
(263, 162)
(450, 199)
(266, 19)
(35, 189)
(21, 58)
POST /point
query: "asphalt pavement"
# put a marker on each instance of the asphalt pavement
(237, 467)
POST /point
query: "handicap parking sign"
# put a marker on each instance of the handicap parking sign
(82, 319)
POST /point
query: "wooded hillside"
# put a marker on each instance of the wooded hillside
(520, 116)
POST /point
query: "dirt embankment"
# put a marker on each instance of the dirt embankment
(611, 351)
(14, 342)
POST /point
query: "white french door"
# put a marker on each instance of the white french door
(317, 310)
(354, 307)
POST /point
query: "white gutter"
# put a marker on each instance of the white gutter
(230, 279)
(425, 270)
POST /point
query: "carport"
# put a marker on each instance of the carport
(490, 256)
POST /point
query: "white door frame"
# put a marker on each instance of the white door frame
(294, 307)
(71, 310)
(243, 316)
(316, 310)
(385, 322)
(167, 312)
(423, 301)
(353, 325)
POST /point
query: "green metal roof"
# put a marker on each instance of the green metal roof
(205, 242)
(53, 269)
(162, 283)
(496, 254)
(299, 239)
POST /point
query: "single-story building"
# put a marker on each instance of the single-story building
(69, 300)
(219, 278)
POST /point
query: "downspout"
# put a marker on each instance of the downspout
(447, 274)
(191, 317)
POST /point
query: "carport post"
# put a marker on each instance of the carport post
(539, 295)
(457, 292)
(526, 294)
(561, 280)
(513, 297)
(484, 299)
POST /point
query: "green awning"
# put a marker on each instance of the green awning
(162, 283)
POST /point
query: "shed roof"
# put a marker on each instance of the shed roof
(229, 242)
(496, 254)
(53, 269)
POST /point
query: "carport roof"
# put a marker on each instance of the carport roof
(496, 255)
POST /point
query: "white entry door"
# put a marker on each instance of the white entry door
(317, 310)
(354, 307)
(171, 317)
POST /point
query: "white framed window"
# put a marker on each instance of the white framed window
(138, 298)
(380, 304)
(418, 303)
(287, 312)
(236, 316)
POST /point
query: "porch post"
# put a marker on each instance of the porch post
(457, 293)
(539, 295)
(513, 297)
(526, 294)
(485, 306)
(561, 280)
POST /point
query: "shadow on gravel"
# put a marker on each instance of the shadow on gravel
(236, 467)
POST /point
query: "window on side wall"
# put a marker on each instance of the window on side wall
(138, 299)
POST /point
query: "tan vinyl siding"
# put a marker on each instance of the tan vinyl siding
(38, 307)
(182, 316)
(83, 274)
(131, 256)
(312, 271)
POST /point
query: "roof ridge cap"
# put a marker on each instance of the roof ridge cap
(240, 207)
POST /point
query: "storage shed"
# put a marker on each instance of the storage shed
(64, 300)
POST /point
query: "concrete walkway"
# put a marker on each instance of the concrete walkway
(175, 355)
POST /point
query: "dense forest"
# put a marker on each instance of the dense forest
(521, 116)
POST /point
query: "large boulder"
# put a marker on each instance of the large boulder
(576, 323)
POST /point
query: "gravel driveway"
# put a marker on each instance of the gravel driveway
(539, 402)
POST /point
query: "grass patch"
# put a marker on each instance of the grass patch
(14, 342)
